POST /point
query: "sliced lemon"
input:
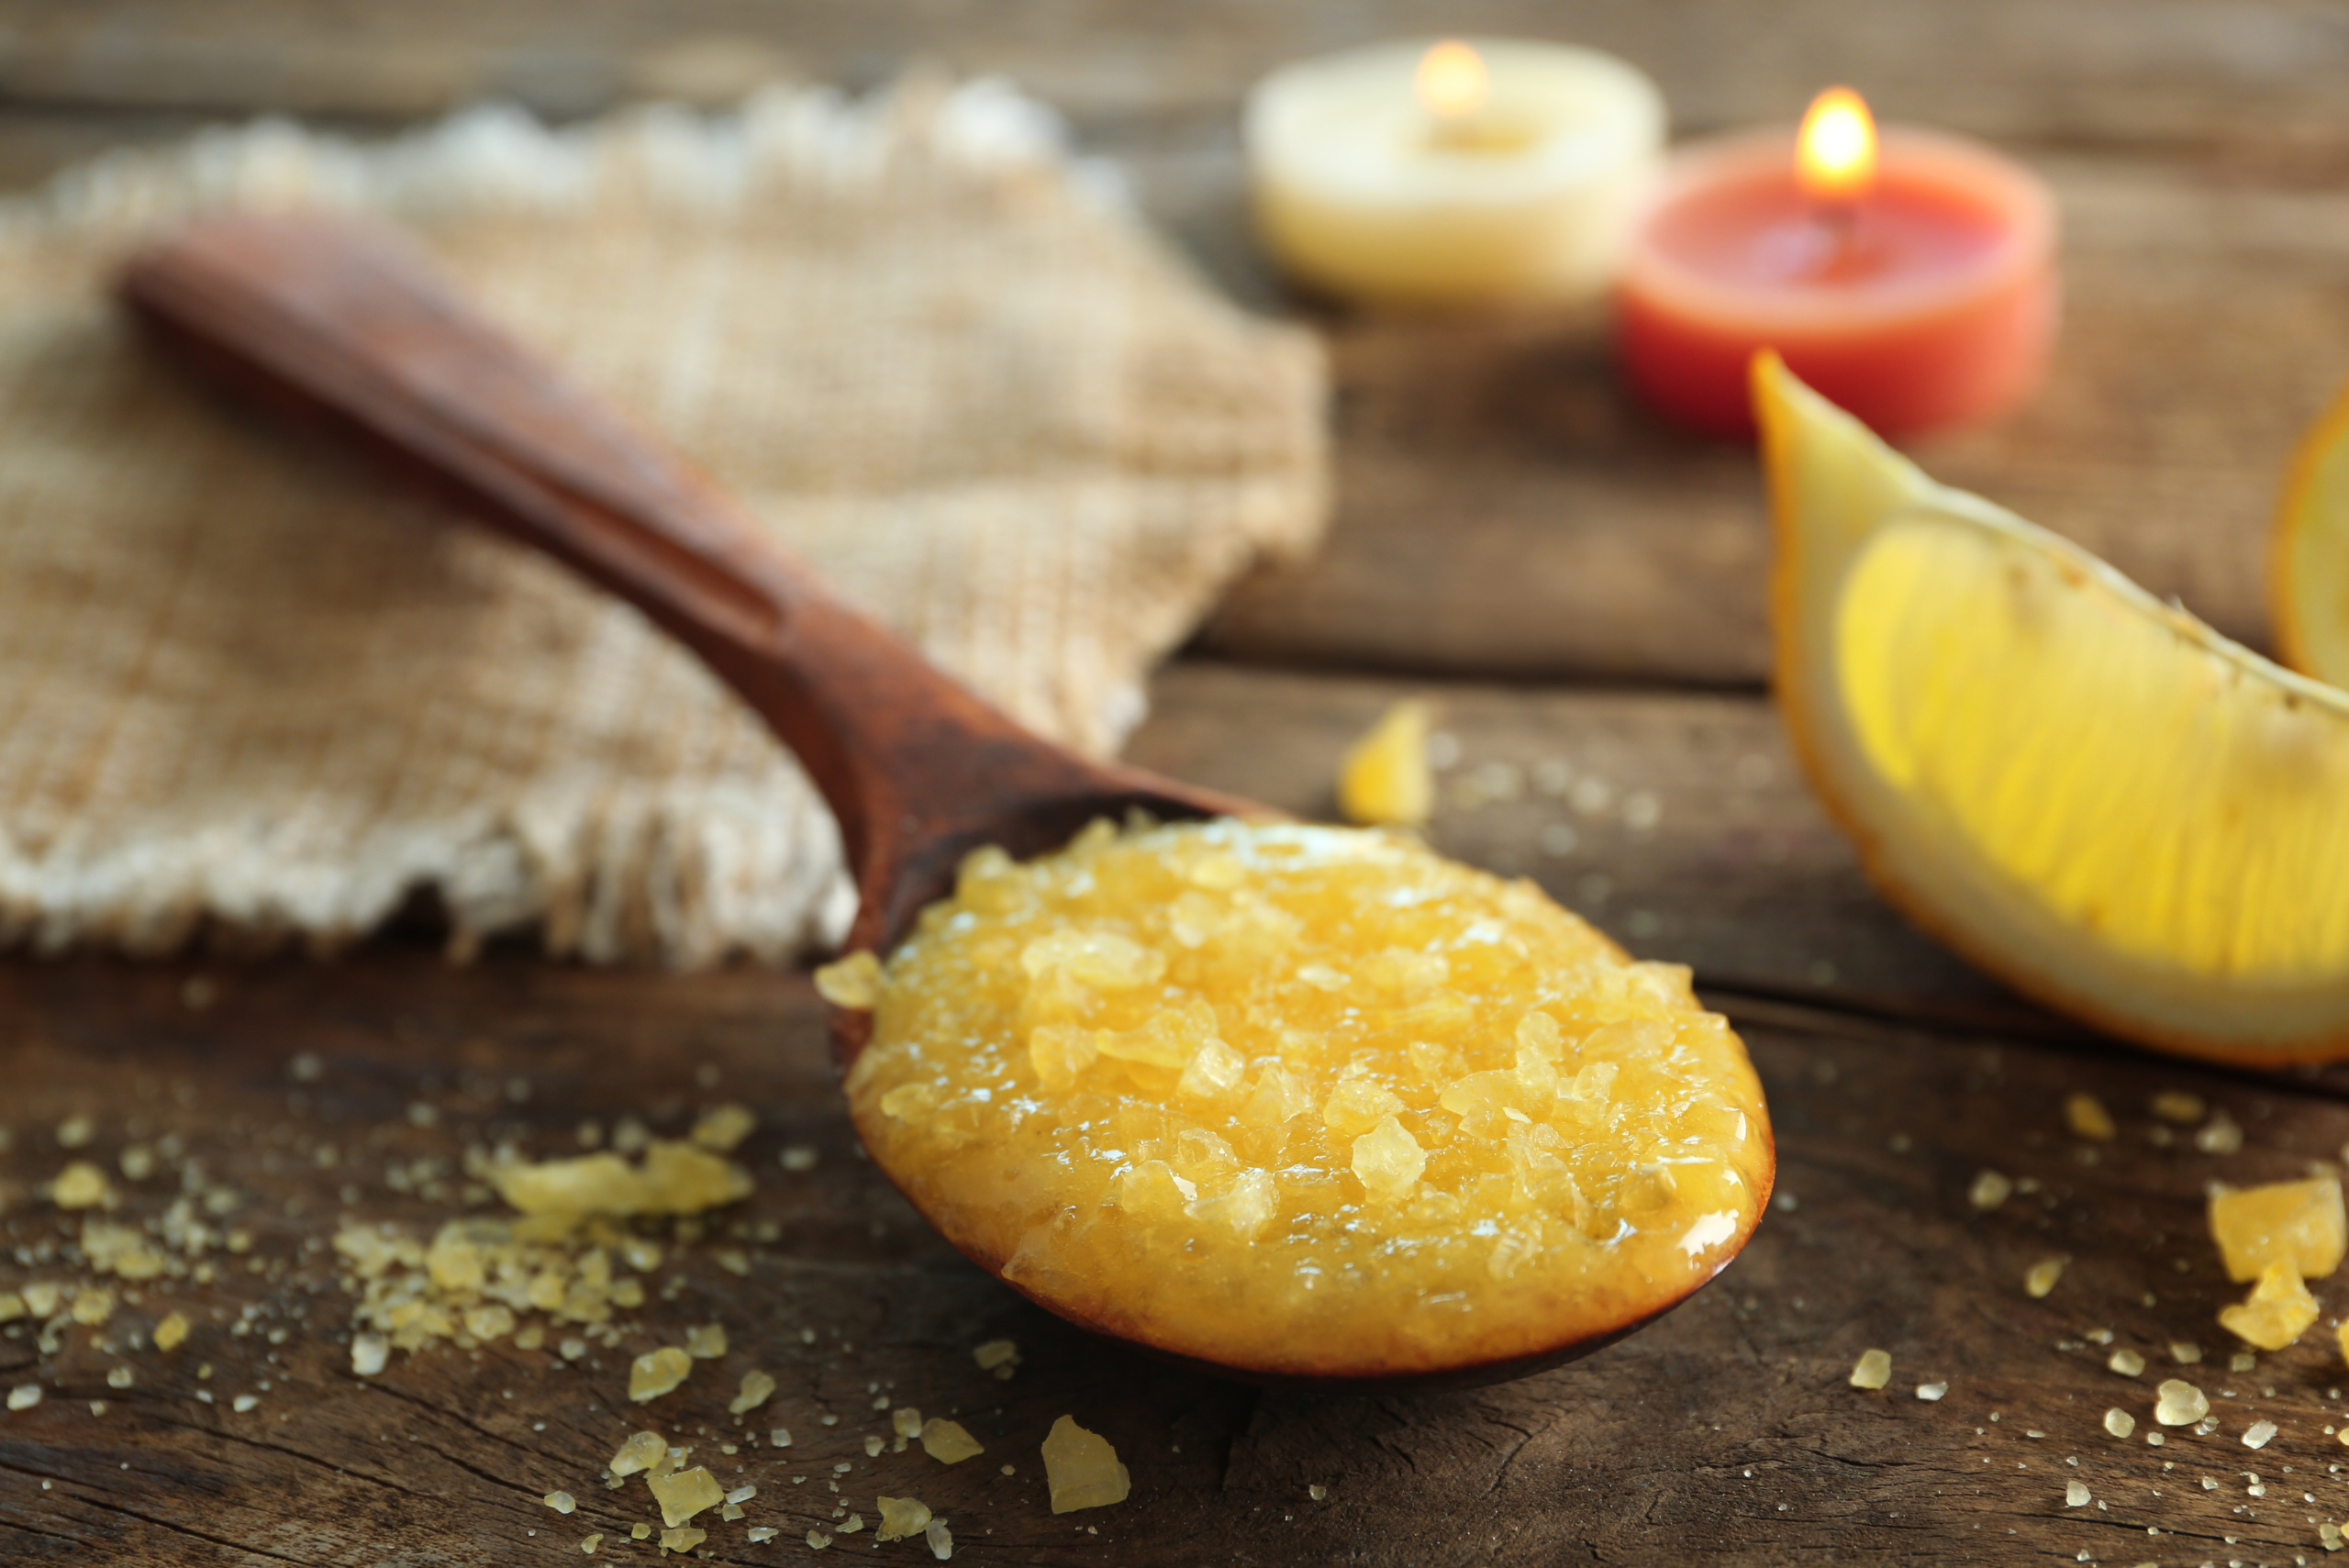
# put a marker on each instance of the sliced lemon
(2309, 581)
(2090, 794)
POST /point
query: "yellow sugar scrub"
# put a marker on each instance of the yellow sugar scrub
(1305, 1101)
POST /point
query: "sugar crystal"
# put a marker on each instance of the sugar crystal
(2179, 1404)
(948, 1441)
(901, 1516)
(657, 1372)
(1873, 1370)
(685, 1494)
(1082, 1468)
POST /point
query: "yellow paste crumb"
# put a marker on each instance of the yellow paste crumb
(1082, 1469)
(1306, 1099)
(2301, 1222)
(2279, 1310)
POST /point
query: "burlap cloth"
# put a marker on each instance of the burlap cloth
(253, 690)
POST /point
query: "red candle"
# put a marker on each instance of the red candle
(1911, 281)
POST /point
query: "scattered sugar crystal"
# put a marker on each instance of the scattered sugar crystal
(683, 1540)
(2042, 1276)
(2185, 1352)
(2154, 1439)
(42, 1297)
(2300, 1222)
(779, 1438)
(1990, 1190)
(742, 1493)
(2242, 1360)
(75, 1131)
(1931, 1391)
(685, 1494)
(2120, 1422)
(2076, 1494)
(2178, 1106)
(998, 1356)
(2220, 1135)
(2128, 1364)
(756, 1386)
(2277, 1311)
(817, 1540)
(561, 1502)
(721, 1128)
(676, 1177)
(707, 1342)
(1082, 1468)
(853, 982)
(137, 1163)
(2329, 1536)
(905, 1421)
(873, 1446)
(798, 1157)
(591, 1543)
(940, 1539)
(731, 1512)
(24, 1396)
(2258, 1434)
(368, 1352)
(572, 1347)
(901, 1516)
(2087, 1117)
(2179, 1404)
(641, 1452)
(120, 1377)
(80, 1185)
(1873, 1370)
(760, 1533)
(242, 1403)
(852, 1523)
(639, 1530)
(656, 1372)
(948, 1441)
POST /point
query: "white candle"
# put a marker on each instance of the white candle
(1497, 172)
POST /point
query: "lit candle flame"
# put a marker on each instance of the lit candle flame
(1835, 152)
(1452, 80)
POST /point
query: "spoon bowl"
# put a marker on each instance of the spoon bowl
(343, 324)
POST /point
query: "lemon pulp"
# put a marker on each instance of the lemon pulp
(1305, 1100)
(2089, 792)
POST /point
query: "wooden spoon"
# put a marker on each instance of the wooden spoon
(341, 322)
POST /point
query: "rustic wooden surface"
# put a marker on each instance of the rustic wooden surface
(1580, 592)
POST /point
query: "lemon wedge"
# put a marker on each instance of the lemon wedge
(2089, 793)
(2309, 581)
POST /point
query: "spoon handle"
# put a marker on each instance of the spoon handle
(348, 324)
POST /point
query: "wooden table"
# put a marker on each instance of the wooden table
(1571, 583)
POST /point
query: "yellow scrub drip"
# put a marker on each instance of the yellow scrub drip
(1307, 1101)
